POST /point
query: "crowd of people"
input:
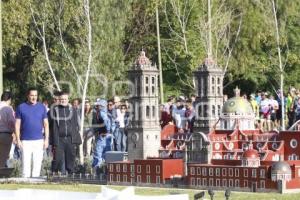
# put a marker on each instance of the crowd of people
(35, 128)
(38, 127)
(268, 110)
(183, 111)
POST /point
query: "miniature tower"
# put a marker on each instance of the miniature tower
(144, 129)
(209, 89)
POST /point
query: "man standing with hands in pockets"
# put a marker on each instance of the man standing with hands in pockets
(31, 120)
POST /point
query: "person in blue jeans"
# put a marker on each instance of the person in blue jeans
(103, 136)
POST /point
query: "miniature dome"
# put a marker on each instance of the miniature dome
(142, 59)
(251, 153)
(281, 167)
(281, 171)
(237, 105)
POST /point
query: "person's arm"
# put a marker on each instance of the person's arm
(17, 132)
(46, 130)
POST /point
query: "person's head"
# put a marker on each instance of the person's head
(56, 96)
(117, 101)
(123, 108)
(87, 105)
(263, 95)
(6, 96)
(225, 97)
(64, 99)
(271, 97)
(76, 103)
(193, 97)
(32, 95)
(259, 93)
(110, 104)
(189, 104)
(45, 102)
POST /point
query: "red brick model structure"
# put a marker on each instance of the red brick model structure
(231, 154)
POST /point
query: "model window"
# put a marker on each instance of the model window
(148, 168)
(211, 171)
(111, 178)
(237, 183)
(148, 179)
(193, 182)
(254, 173)
(147, 111)
(217, 171)
(199, 181)
(262, 173)
(293, 143)
(218, 182)
(262, 184)
(131, 168)
(230, 172)
(224, 183)
(118, 168)
(124, 178)
(211, 182)
(158, 179)
(204, 182)
(203, 171)
(246, 183)
(139, 169)
(139, 178)
(153, 111)
(198, 171)
(124, 168)
(245, 172)
(224, 172)
(157, 169)
(118, 177)
(111, 167)
(236, 171)
(192, 170)
(230, 183)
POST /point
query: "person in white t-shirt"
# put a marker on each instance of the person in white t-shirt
(265, 111)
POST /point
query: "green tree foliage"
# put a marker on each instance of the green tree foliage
(122, 28)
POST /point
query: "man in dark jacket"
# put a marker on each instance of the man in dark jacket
(66, 135)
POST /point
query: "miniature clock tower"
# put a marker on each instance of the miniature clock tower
(144, 129)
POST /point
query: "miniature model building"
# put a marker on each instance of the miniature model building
(232, 154)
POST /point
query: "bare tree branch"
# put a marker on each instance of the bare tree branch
(42, 36)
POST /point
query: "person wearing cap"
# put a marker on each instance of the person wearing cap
(103, 137)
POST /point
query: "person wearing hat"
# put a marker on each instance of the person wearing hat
(103, 138)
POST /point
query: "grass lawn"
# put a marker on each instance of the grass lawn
(152, 191)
